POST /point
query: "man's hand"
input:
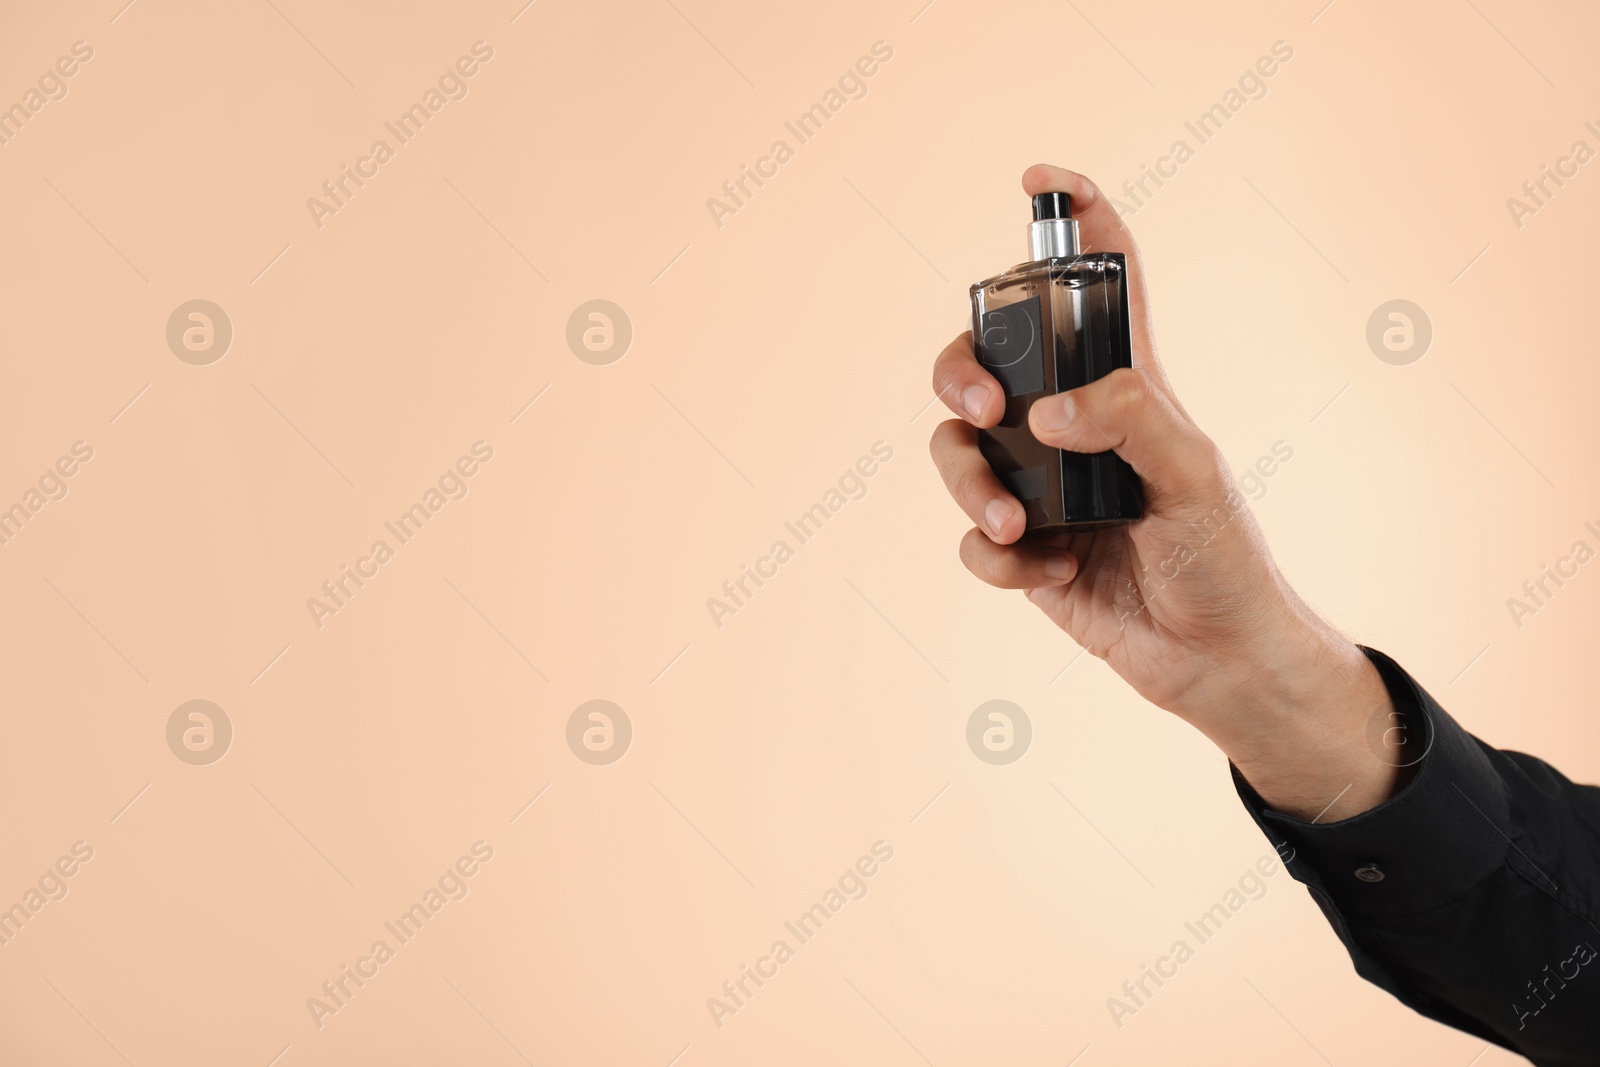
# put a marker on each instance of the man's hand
(1185, 604)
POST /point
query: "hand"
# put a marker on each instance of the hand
(1186, 604)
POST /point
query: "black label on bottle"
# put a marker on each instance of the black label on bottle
(1012, 347)
(1030, 483)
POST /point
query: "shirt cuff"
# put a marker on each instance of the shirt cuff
(1428, 844)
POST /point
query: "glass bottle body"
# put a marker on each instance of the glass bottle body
(1046, 327)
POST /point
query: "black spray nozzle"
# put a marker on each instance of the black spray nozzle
(1052, 206)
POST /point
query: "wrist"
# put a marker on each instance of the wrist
(1300, 722)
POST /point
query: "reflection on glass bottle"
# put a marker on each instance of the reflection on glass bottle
(1046, 326)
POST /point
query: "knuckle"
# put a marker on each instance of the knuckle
(1217, 480)
(970, 486)
(1205, 483)
(947, 365)
(947, 436)
(968, 553)
(1127, 391)
(978, 555)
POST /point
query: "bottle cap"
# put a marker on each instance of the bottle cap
(1052, 206)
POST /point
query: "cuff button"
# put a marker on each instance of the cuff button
(1370, 873)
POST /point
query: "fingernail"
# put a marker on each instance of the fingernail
(996, 515)
(973, 400)
(1053, 413)
(1061, 567)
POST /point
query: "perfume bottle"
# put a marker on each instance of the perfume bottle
(1052, 324)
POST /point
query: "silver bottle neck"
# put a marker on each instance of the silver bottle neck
(1053, 238)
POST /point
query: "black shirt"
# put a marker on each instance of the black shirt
(1473, 894)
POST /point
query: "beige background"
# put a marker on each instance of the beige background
(768, 354)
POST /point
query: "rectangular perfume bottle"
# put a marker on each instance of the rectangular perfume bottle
(1055, 323)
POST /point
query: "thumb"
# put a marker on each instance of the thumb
(1127, 413)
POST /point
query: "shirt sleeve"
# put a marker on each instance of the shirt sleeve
(1473, 894)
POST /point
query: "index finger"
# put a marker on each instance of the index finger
(1100, 228)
